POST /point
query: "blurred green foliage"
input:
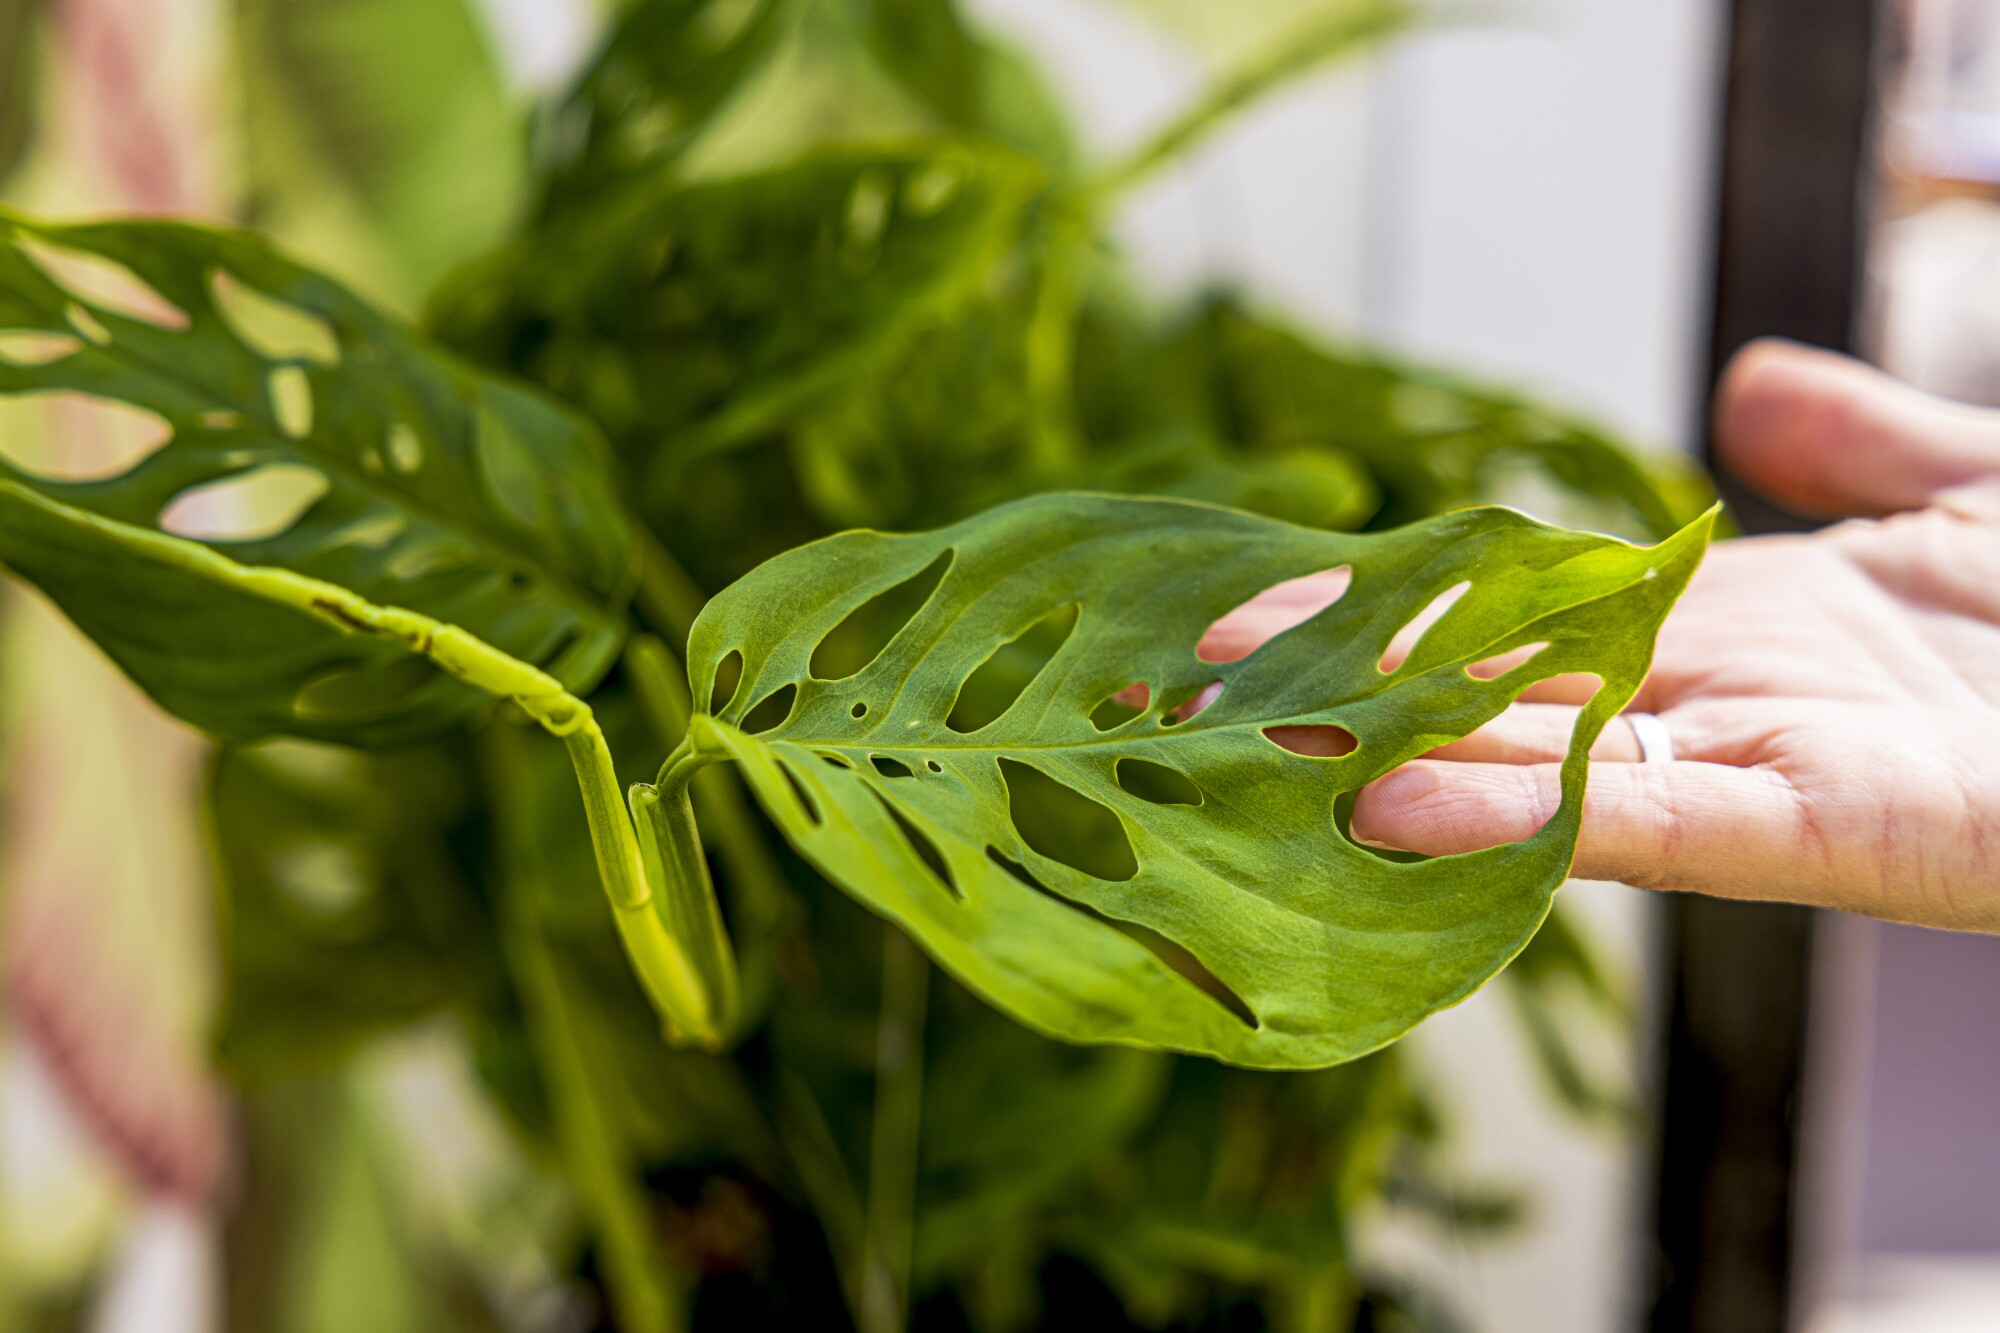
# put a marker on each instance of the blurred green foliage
(810, 264)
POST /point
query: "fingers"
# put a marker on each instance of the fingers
(1733, 831)
(1827, 435)
(1529, 733)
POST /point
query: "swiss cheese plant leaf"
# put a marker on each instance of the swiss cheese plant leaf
(1176, 878)
(685, 317)
(303, 431)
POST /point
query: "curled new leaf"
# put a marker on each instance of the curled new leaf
(423, 485)
(1175, 878)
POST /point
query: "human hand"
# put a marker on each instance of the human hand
(1833, 699)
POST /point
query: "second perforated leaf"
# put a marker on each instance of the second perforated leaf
(1037, 774)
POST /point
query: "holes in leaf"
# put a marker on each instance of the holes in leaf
(925, 850)
(771, 710)
(1492, 668)
(349, 695)
(86, 324)
(1319, 741)
(432, 557)
(291, 400)
(837, 760)
(933, 765)
(1121, 707)
(250, 506)
(405, 450)
(1406, 639)
(1157, 783)
(930, 190)
(866, 630)
(868, 210)
(890, 768)
(805, 800)
(324, 878)
(860, 710)
(105, 283)
(1064, 825)
(1192, 704)
(728, 675)
(1003, 677)
(1174, 955)
(1241, 631)
(78, 437)
(275, 330)
(34, 347)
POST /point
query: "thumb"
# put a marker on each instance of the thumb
(1709, 828)
(1829, 436)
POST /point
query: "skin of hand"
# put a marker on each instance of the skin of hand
(1833, 698)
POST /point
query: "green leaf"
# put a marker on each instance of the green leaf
(1323, 34)
(379, 119)
(665, 70)
(1313, 487)
(968, 80)
(19, 28)
(1254, 930)
(344, 909)
(438, 489)
(1434, 440)
(687, 317)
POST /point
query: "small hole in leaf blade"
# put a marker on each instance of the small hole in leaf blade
(1192, 704)
(1492, 668)
(1121, 707)
(1245, 628)
(866, 630)
(933, 765)
(1175, 956)
(275, 330)
(292, 401)
(890, 768)
(860, 710)
(926, 850)
(1406, 639)
(36, 347)
(728, 675)
(66, 436)
(104, 283)
(256, 505)
(995, 685)
(1064, 825)
(770, 711)
(1317, 741)
(1157, 783)
(806, 802)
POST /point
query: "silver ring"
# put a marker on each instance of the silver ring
(1655, 745)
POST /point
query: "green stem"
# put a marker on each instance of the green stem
(1343, 33)
(892, 1152)
(1324, 1301)
(720, 807)
(634, 1269)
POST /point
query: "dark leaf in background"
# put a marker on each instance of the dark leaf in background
(687, 317)
(346, 908)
